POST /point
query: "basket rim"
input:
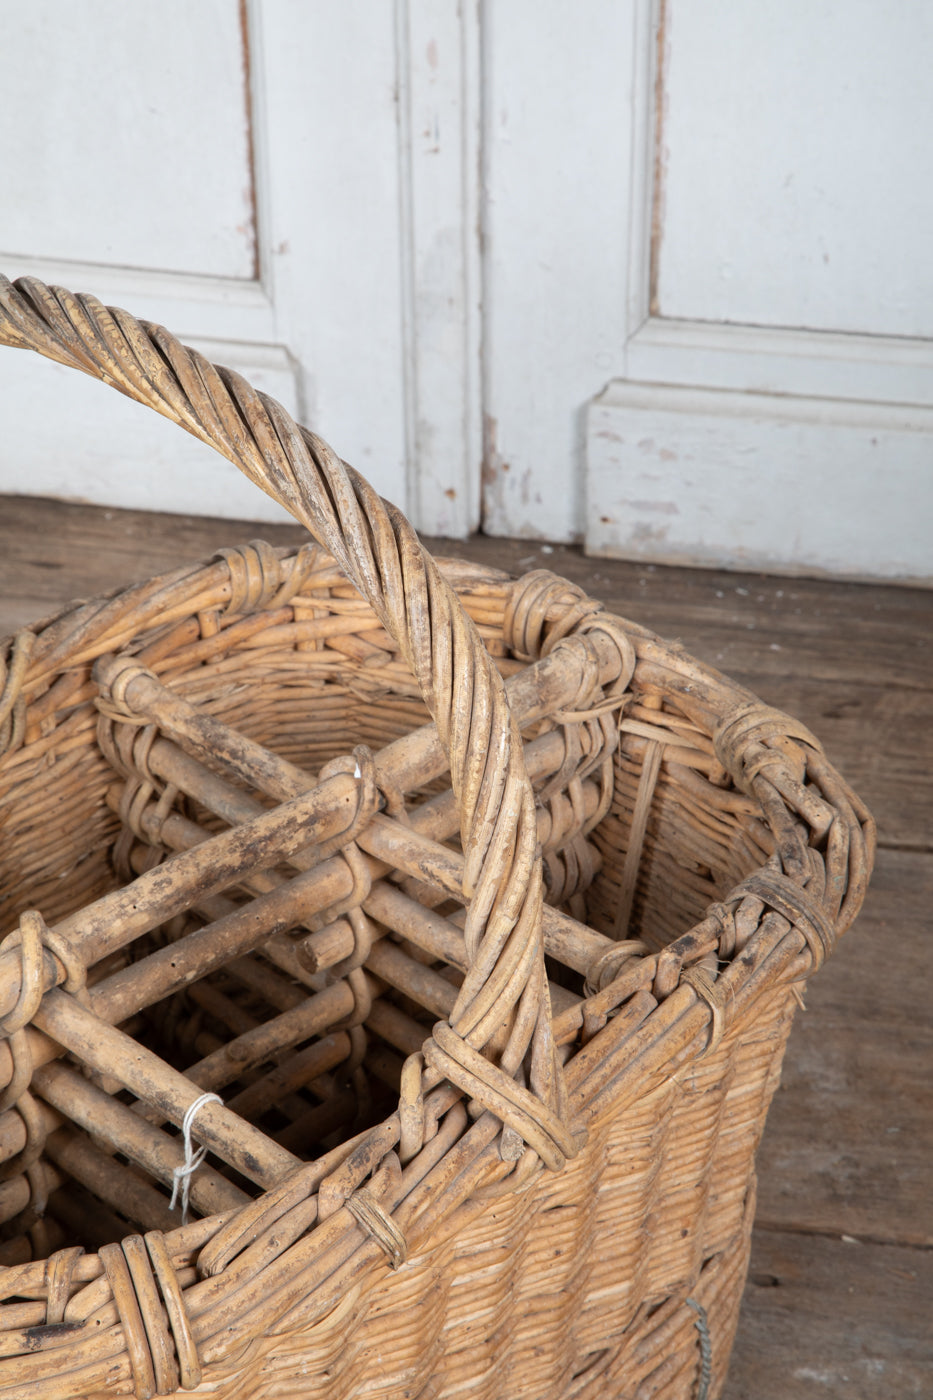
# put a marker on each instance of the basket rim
(676, 985)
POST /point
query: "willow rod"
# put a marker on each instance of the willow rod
(408, 762)
(109, 1051)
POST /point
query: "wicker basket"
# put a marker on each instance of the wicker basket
(451, 1042)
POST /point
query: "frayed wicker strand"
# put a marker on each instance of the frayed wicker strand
(706, 1349)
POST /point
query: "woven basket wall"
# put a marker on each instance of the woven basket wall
(467, 949)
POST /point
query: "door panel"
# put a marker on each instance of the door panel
(295, 183)
(769, 400)
(794, 161)
(69, 436)
(132, 147)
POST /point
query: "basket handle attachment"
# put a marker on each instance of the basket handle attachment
(379, 551)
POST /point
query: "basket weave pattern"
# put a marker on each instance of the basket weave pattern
(481, 912)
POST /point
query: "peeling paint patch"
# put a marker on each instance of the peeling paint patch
(252, 229)
(658, 507)
(490, 473)
(643, 533)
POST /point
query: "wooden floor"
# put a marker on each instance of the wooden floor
(839, 1305)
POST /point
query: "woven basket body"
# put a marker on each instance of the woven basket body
(463, 1142)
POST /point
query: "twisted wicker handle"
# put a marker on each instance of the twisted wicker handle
(380, 552)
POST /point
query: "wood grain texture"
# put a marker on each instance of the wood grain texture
(826, 1319)
(844, 1319)
(55, 551)
(751, 626)
(846, 1149)
(748, 624)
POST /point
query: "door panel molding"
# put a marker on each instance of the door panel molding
(679, 379)
(364, 314)
(820, 364)
(439, 115)
(776, 360)
(223, 308)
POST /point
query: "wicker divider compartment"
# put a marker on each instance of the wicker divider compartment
(474, 993)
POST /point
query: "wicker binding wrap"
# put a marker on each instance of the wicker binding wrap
(474, 987)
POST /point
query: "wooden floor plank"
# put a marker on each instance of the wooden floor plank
(880, 970)
(829, 1320)
(53, 551)
(846, 1149)
(751, 624)
(745, 624)
(850, 660)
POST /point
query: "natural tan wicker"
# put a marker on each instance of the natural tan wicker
(483, 1133)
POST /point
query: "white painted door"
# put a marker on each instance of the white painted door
(774, 409)
(709, 290)
(659, 269)
(291, 186)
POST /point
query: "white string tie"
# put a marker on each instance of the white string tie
(181, 1176)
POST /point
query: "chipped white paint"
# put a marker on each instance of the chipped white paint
(807, 485)
(90, 108)
(869, 1367)
(568, 302)
(439, 129)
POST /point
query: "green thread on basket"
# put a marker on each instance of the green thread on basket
(706, 1348)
